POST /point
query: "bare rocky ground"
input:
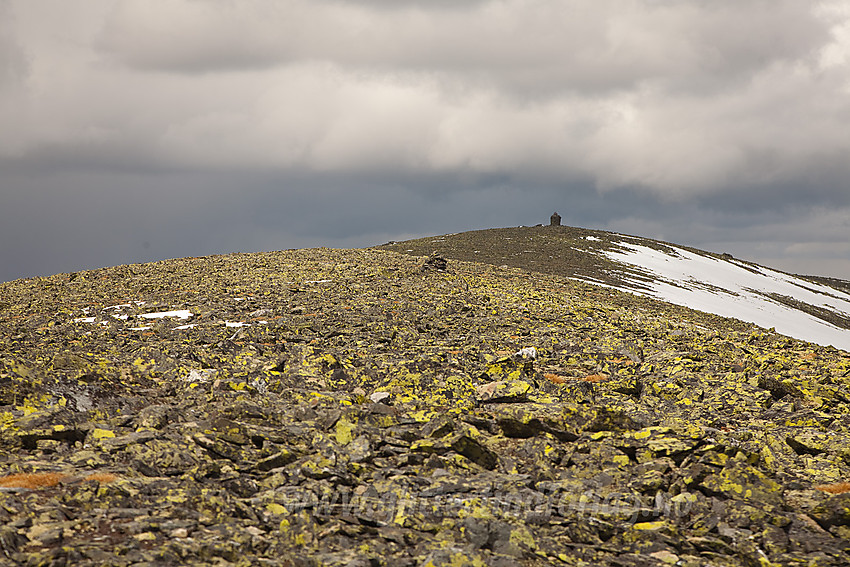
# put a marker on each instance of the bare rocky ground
(348, 407)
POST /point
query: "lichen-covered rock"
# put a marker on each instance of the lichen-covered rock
(345, 407)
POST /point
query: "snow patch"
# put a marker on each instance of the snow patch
(180, 314)
(735, 289)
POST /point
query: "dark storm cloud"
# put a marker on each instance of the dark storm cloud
(123, 217)
(215, 126)
(823, 184)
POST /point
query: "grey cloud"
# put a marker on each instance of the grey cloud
(681, 98)
(458, 5)
(212, 126)
(13, 61)
(90, 220)
(823, 183)
(554, 47)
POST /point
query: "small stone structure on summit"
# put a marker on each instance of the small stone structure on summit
(555, 220)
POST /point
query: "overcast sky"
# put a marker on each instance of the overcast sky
(133, 130)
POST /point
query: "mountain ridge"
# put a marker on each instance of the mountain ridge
(602, 257)
(342, 408)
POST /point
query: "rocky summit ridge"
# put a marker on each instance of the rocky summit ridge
(811, 308)
(398, 407)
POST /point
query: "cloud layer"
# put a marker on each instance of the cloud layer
(724, 114)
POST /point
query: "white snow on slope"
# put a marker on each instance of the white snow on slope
(180, 314)
(730, 289)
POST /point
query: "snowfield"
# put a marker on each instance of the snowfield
(734, 289)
